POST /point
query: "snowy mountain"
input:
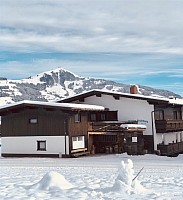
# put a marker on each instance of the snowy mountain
(60, 83)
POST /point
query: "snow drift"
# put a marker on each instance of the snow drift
(52, 180)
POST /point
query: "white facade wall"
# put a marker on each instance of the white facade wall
(28, 145)
(128, 109)
(169, 137)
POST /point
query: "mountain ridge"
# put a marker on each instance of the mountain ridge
(53, 85)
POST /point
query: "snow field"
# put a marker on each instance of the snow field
(103, 177)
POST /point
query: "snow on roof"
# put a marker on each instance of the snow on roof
(61, 105)
(139, 96)
(176, 101)
(133, 126)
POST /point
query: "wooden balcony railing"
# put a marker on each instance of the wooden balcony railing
(163, 126)
(171, 149)
(103, 126)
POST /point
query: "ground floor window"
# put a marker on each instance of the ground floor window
(78, 142)
(41, 145)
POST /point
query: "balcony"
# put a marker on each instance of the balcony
(104, 127)
(115, 127)
(163, 126)
(172, 149)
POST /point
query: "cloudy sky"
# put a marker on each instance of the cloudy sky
(129, 41)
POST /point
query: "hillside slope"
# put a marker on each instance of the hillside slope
(60, 83)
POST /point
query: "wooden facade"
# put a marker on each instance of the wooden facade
(163, 126)
(172, 149)
(98, 129)
(110, 137)
(168, 119)
(26, 120)
(47, 123)
(166, 116)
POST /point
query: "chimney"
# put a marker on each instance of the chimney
(133, 89)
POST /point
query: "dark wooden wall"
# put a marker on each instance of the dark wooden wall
(78, 128)
(149, 143)
(168, 113)
(49, 123)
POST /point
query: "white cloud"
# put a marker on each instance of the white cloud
(152, 29)
(92, 26)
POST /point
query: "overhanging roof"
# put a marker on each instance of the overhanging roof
(51, 105)
(153, 100)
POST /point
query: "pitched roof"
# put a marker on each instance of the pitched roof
(150, 99)
(64, 106)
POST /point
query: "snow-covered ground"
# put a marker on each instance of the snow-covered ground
(92, 177)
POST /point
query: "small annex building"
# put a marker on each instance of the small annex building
(31, 128)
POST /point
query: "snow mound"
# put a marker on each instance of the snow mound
(52, 180)
(125, 180)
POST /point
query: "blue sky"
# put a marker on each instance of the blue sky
(133, 42)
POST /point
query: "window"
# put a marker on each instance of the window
(33, 121)
(98, 95)
(80, 138)
(181, 136)
(102, 117)
(134, 139)
(179, 115)
(78, 142)
(174, 114)
(93, 117)
(74, 139)
(41, 145)
(77, 117)
(159, 115)
(116, 97)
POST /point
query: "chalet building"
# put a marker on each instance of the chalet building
(48, 129)
(161, 116)
(93, 122)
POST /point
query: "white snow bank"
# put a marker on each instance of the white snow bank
(133, 126)
(52, 180)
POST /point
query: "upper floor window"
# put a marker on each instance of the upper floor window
(179, 115)
(159, 115)
(93, 117)
(175, 115)
(77, 117)
(33, 121)
(102, 117)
